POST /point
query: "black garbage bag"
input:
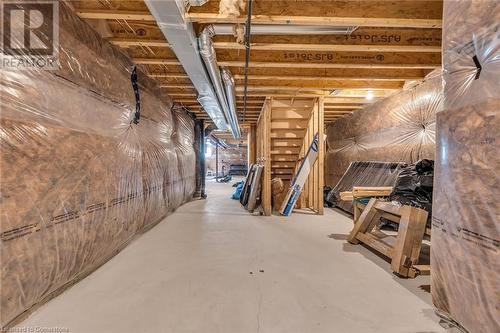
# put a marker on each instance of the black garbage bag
(363, 173)
(326, 202)
(414, 185)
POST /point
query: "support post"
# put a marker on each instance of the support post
(199, 147)
(321, 154)
(216, 162)
(251, 145)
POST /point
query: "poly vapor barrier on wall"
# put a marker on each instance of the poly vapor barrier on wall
(465, 255)
(399, 128)
(78, 177)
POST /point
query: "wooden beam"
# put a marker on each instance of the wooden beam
(288, 94)
(329, 47)
(108, 14)
(169, 75)
(177, 86)
(156, 61)
(318, 90)
(341, 107)
(325, 59)
(368, 36)
(318, 20)
(315, 78)
(128, 42)
(255, 85)
(271, 64)
(333, 73)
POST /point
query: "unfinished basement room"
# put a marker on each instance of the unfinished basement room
(250, 166)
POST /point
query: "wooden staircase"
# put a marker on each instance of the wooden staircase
(285, 129)
(289, 123)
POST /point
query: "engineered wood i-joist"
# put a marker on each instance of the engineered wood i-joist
(394, 42)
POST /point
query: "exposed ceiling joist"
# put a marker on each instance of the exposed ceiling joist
(128, 42)
(395, 42)
(111, 14)
(329, 47)
(233, 63)
(319, 20)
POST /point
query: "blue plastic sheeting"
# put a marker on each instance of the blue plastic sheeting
(237, 192)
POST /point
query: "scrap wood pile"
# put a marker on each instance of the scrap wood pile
(411, 184)
(365, 191)
(406, 205)
(366, 174)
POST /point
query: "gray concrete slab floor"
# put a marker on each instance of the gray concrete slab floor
(212, 267)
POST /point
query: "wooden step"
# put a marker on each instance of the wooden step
(288, 135)
(285, 150)
(286, 143)
(285, 114)
(289, 124)
(292, 103)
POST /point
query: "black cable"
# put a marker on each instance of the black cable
(247, 55)
(135, 86)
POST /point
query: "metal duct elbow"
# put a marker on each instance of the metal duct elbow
(229, 86)
(207, 52)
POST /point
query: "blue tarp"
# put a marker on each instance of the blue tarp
(237, 191)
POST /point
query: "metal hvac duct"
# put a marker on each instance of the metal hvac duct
(170, 17)
(208, 55)
(277, 29)
(229, 86)
(197, 2)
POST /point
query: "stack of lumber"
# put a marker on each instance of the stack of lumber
(365, 191)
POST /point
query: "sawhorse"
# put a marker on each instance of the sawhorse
(405, 252)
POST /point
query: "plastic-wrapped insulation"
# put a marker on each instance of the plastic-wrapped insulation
(465, 254)
(363, 174)
(399, 128)
(79, 179)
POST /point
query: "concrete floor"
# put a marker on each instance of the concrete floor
(212, 267)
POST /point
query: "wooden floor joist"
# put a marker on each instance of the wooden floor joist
(208, 18)
(329, 47)
(108, 14)
(271, 64)
(393, 43)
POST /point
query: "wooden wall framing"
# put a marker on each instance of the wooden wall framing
(312, 194)
(263, 154)
(284, 132)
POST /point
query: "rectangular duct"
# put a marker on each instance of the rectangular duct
(169, 15)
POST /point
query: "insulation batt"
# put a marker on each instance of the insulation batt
(465, 254)
(399, 128)
(78, 178)
(231, 8)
